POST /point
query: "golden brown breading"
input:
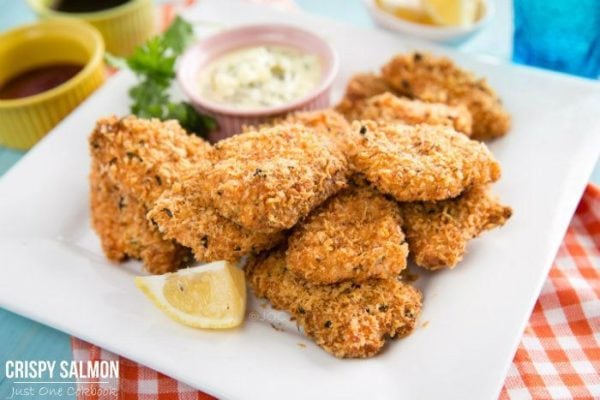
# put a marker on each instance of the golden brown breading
(354, 236)
(389, 108)
(421, 162)
(120, 221)
(328, 123)
(134, 161)
(184, 213)
(345, 319)
(145, 156)
(267, 180)
(438, 233)
(360, 87)
(439, 80)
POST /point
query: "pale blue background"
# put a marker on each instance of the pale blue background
(23, 339)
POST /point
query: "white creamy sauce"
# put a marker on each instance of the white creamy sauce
(258, 77)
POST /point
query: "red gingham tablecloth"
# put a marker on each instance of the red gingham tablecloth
(559, 354)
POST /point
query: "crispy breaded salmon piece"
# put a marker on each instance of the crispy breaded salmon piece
(184, 213)
(267, 180)
(326, 122)
(120, 221)
(134, 160)
(389, 108)
(438, 80)
(347, 320)
(438, 232)
(354, 236)
(361, 87)
(145, 156)
(421, 162)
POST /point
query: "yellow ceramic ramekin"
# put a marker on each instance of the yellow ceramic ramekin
(123, 27)
(26, 120)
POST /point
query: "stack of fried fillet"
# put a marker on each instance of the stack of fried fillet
(327, 206)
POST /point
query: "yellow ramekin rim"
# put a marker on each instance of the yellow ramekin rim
(40, 7)
(89, 68)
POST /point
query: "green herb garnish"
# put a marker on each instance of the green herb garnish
(154, 65)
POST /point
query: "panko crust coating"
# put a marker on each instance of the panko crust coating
(145, 156)
(389, 108)
(421, 162)
(360, 87)
(120, 221)
(133, 162)
(326, 122)
(438, 232)
(267, 180)
(347, 320)
(354, 236)
(185, 213)
(437, 79)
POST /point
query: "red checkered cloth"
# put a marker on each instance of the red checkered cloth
(134, 382)
(559, 354)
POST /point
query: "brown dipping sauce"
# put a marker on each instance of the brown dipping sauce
(82, 6)
(38, 80)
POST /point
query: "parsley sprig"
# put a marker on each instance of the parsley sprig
(154, 65)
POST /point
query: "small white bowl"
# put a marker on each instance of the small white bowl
(442, 34)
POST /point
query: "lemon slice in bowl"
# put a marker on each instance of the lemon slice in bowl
(410, 10)
(209, 296)
(452, 12)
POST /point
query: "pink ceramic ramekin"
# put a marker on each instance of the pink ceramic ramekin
(230, 119)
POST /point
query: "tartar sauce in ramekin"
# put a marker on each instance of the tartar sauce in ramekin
(260, 77)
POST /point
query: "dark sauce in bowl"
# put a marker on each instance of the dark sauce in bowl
(85, 6)
(37, 80)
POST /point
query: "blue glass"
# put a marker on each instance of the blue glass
(562, 35)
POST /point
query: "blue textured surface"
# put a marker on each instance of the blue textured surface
(23, 339)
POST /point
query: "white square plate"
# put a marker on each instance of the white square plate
(53, 270)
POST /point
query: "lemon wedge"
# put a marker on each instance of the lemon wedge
(452, 12)
(209, 296)
(410, 10)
